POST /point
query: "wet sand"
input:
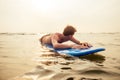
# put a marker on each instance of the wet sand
(22, 58)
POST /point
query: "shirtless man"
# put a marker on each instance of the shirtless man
(57, 39)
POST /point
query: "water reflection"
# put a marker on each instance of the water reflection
(94, 58)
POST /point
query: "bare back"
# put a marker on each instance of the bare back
(60, 37)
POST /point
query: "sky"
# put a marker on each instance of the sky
(53, 15)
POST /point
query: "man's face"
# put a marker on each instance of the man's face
(70, 36)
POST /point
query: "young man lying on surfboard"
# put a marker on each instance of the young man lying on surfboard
(57, 39)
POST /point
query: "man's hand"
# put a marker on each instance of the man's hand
(86, 44)
(80, 47)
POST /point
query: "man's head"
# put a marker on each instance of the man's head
(69, 30)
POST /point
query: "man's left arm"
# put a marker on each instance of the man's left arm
(75, 41)
(78, 42)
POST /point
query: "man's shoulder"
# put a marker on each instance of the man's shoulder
(58, 34)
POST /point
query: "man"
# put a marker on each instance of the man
(57, 39)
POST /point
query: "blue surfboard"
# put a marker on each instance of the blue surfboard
(75, 52)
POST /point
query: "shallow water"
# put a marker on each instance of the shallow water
(22, 58)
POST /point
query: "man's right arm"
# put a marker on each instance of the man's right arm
(56, 44)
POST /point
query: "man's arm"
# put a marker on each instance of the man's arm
(56, 44)
(79, 43)
(75, 41)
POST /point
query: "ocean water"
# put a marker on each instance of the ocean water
(23, 58)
